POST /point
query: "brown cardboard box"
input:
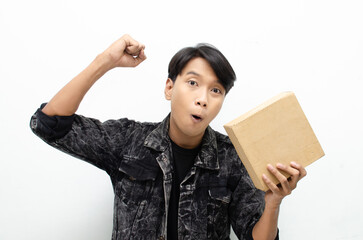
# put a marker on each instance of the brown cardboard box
(277, 131)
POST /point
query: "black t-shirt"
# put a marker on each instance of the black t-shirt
(183, 160)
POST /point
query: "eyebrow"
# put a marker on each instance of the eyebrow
(192, 73)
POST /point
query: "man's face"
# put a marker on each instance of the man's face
(196, 97)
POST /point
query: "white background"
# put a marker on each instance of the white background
(313, 48)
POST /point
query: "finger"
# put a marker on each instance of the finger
(273, 187)
(133, 47)
(140, 58)
(294, 174)
(134, 50)
(300, 168)
(134, 61)
(142, 55)
(286, 188)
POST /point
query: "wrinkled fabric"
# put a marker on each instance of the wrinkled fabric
(215, 194)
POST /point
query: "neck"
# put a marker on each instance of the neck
(183, 140)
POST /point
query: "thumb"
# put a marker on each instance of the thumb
(142, 55)
(135, 49)
(139, 58)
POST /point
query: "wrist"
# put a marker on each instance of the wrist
(98, 67)
(104, 62)
(273, 206)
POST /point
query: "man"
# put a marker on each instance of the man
(177, 179)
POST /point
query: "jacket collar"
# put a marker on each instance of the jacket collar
(207, 158)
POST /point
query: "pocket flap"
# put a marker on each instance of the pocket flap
(220, 193)
(139, 169)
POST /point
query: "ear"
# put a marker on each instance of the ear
(168, 89)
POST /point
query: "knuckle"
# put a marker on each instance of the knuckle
(287, 191)
(284, 180)
(273, 187)
(295, 172)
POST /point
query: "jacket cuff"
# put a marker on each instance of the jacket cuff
(50, 128)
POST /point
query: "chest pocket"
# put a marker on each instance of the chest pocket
(137, 179)
(218, 190)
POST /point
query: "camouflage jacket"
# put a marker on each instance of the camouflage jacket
(217, 192)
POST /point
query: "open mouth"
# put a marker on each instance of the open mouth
(197, 118)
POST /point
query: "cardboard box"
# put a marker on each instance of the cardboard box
(277, 131)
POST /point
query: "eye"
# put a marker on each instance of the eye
(192, 83)
(216, 90)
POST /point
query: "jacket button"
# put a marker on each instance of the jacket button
(34, 123)
(162, 238)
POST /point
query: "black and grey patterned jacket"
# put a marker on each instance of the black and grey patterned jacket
(215, 194)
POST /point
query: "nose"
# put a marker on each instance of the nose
(201, 100)
(201, 103)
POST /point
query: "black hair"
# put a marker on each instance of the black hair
(212, 55)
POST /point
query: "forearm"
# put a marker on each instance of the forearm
(67, 100)
(266, 227)
(125, 52)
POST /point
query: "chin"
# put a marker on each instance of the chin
(194, 133)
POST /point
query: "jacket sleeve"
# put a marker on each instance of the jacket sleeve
(85, 138)
(247, 202)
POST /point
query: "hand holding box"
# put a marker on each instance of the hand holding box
(277, 131)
